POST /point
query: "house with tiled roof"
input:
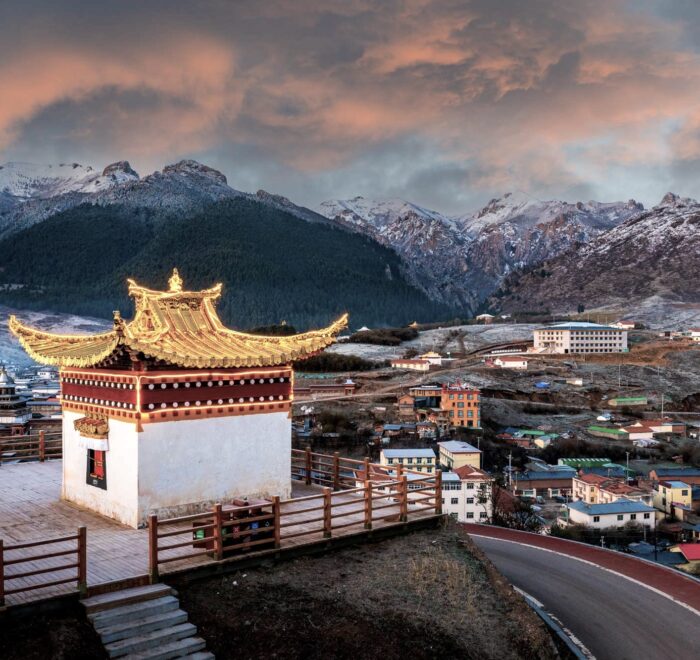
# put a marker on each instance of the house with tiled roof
(611, 515)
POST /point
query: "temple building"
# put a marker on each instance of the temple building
(14, 413)
(172, 411)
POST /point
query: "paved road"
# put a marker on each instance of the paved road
(613, 617)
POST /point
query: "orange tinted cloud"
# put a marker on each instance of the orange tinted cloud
(508, 91)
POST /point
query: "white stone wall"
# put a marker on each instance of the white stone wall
(185, 465)
(181, 466)
(120, 500)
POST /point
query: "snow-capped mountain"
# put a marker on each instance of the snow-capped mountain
(432, 246)
(526, 212)
(32, 193)
(465, 258)
(26, 181)
(653, 253)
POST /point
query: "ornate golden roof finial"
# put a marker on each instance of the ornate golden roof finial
(175, 282)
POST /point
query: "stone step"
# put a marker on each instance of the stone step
(125, 596)
(133, 612)
(152, 641)
(201, 655)
(182, 648)
(130, 629)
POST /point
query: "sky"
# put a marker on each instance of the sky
(445, 103)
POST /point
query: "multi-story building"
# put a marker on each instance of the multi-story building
(420, 460)
(614, 514)
(580, 338)
(597, 489)
(467, 493)
(672, 495)
(462, 404)
(455, 454)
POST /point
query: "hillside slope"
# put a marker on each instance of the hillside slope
(654, 254)
(273, 264)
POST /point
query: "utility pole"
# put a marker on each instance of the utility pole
(510, 470)
(627, 474)
(602, 541)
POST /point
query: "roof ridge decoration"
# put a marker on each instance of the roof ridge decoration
(177, 327)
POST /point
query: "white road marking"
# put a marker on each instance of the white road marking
(590, 563)
(575, 640)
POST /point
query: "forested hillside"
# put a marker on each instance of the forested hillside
(274, 266)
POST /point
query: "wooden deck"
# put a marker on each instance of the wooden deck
(31, 509)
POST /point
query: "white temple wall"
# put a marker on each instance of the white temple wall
(187, 465)
(120, 499)
(182, 466)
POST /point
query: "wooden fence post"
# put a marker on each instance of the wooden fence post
(404, 498)
(367, 475)
(438, 492)
(218, 532)
(368, 504)
(82, 561)
(308, 466)
(2, 574)
(278, 514)
(42, 446)
(153, 548)
(327, 507)
(336, 471)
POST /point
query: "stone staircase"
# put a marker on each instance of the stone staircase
(145, 623)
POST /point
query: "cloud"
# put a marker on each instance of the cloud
(445, 102)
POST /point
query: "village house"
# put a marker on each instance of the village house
(517, 362)
(688, 475)
(673, 498)
(467, 493)
(579, 338)
(545, 481)
(434, 358)
(321, 390)
(623, 325)
(693, 333)
(420, 460)
(14, 413)
(596, 489)
(615, 514)
(455, 454)
(412, 364)
(485, 318)
(406, 405)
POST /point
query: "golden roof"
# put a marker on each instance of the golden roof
(178, 327)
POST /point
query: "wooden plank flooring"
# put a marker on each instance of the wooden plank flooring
(31, 509)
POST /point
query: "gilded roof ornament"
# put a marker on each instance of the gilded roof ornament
(175, 282)
(176, 327)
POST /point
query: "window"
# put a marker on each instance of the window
(620, 516)
(482, 514)
(596, 518)
(646, 515)
(470, 485)
(443, 500)
(460, 404)
(96, 469)
(633, 516)
(470, 514)
(460, 396)
(454, 500)
(460, 413)
(470, 500)
(684, 493)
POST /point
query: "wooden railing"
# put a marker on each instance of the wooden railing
(40, 446)
(218, 534)
(22, 571)
(349, 501)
